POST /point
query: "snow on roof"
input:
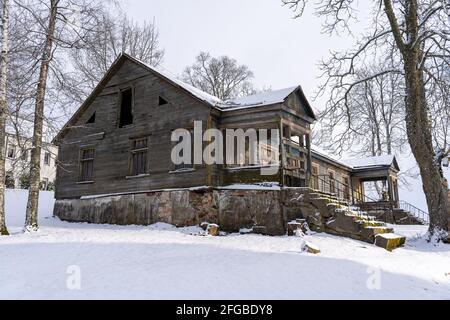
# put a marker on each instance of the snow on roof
(255, 100)
(385, 160)
(260, 99)
(356, 163)
(206, 97)
(315, 149)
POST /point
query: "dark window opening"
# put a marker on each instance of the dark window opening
(11, 152)
(91, 119)
(47, 158)
(139, 157)
(162, 101)
(87, 165)
(126, 108)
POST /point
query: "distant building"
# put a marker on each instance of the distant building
(17, 164)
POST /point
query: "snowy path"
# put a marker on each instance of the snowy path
(160, 262)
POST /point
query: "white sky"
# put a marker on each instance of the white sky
(281, 51)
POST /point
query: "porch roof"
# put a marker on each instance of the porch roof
(385, 162)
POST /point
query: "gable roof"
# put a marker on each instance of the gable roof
(262, 98)
(199, 94)
(196, 93)
(267, 98)
(257, 100)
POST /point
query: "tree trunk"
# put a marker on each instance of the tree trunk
(420, 139)
(3, 112)
(31, 223)
(418, 124)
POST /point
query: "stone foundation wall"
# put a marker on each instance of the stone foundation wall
(231, 209)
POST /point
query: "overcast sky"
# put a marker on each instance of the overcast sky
(281, 51)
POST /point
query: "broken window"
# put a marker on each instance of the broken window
(126, 108)
(162, 101)
(91, 119)
(87, 165)
(139, 157)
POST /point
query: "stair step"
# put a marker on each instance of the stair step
(389, 241)
(378, 229)
(368, 223)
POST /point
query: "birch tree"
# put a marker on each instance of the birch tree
(31, 222)
(412, 36)
(60, 24)
(3, 113)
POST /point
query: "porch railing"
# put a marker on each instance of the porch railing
(360, 202)
(418, 213)
(347, 194)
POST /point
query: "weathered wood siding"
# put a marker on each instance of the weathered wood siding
(112, 144)
(341, 172)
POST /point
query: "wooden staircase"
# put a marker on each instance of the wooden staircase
(339, 217)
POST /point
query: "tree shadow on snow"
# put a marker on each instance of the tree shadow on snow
(186, 271)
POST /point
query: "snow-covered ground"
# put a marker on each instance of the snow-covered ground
(160, 262)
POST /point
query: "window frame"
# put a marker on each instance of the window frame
(48, 161)
(315, 177)
(332, 181)
(133, 152)
(81, 161)
(13, 148)
(183, 167)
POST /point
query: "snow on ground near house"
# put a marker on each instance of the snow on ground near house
(160, 262)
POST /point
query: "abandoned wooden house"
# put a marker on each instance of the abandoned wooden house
(116, 166)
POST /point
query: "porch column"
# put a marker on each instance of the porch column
(308, 160)
(395, 192)
(390, 190)
(282, 151)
